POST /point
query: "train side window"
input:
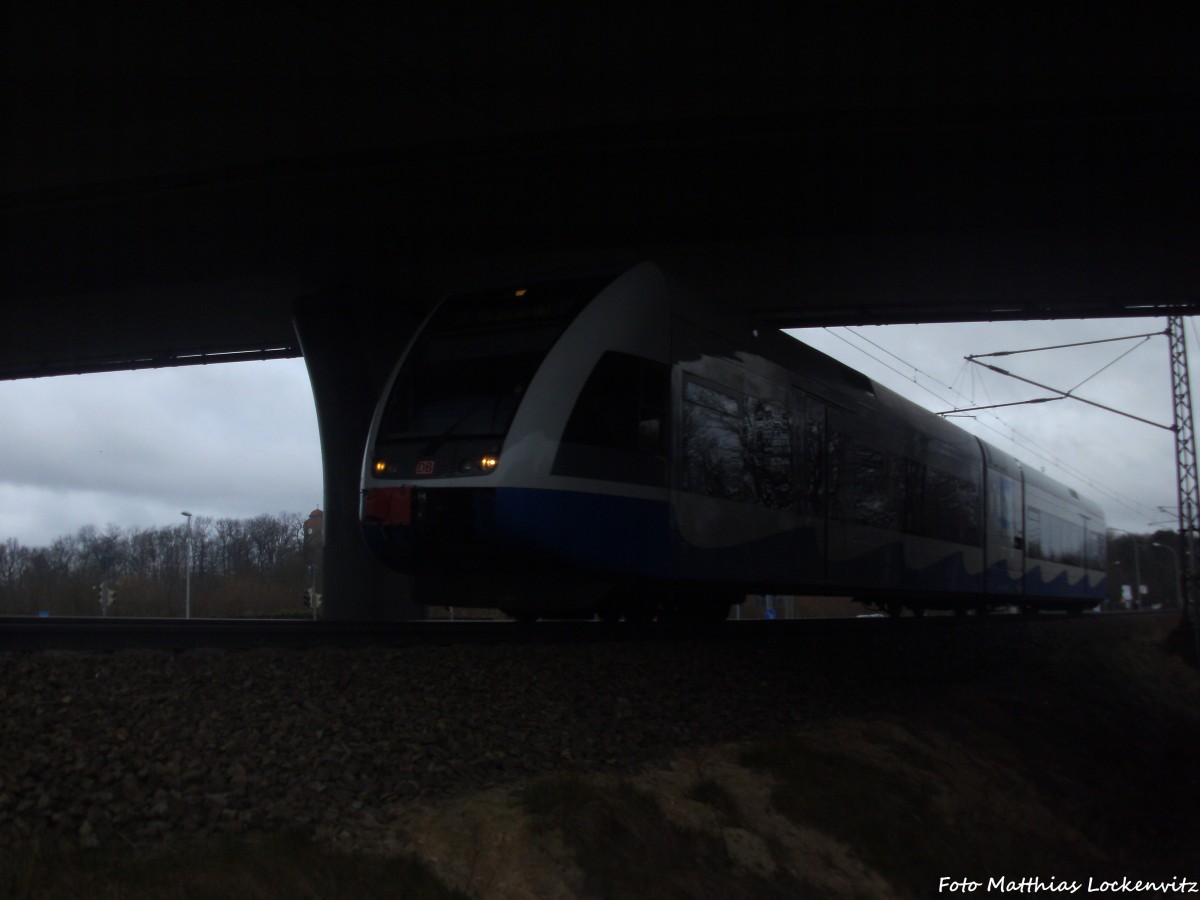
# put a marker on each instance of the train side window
(1074, 544)
(1051, 537)
(1067, 544)
(654, 406)
(618, 428)
(1056, 540)
(953, 493)
(952, 507)
(865, 474)
(867, 496)
(714, 458)
(769, 452)
(736, 447)
(912, 508)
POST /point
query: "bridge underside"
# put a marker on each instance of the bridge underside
(802, 227)
(211, 183)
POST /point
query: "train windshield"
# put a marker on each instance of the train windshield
(467, 373)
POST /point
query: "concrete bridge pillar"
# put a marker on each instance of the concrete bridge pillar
(348, 360)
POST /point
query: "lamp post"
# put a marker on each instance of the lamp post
(187, 601)
(1175, 561)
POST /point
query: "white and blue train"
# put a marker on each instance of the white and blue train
(619, 447)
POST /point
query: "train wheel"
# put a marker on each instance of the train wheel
(639, 615)
(695, 608)
(609, 609)
(718, 611)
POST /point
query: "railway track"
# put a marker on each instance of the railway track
(32, 634)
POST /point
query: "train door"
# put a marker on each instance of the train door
(1005, 529)
(1096, 558)
(812, 489)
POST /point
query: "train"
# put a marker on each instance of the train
(627, 447)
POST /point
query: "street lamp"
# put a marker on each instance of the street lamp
(1175, 560)
(187, 608)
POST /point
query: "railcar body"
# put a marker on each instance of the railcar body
(622, 447)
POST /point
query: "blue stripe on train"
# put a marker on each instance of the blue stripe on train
(1062, 586)
(590, 531)
(638, 537)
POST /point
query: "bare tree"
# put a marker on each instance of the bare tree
(239, 567)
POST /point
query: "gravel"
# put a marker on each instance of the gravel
(139, 746)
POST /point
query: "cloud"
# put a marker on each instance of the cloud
(135, 448)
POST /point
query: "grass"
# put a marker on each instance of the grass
(286, 865)
(890, 820)
(1075, 761)
(626, 847)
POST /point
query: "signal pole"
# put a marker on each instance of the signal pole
(187, 591)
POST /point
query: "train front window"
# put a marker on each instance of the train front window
(464, 385)
(470, 368)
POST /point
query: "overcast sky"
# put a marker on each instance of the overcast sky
(136, 448)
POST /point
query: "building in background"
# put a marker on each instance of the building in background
(314, 537)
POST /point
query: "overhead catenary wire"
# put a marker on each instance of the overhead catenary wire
(1068, 395)
(904, 362)
(1111, 363)
(1130, 337)
(1018, 438)
(889, 367)
(966, 409)
(1141, 338)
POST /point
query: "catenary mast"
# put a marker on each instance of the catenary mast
(1185, 469)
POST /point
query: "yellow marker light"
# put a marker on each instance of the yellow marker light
(488, 463)
(380, 466)
(519, 292)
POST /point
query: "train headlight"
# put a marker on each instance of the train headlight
(488, 463)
